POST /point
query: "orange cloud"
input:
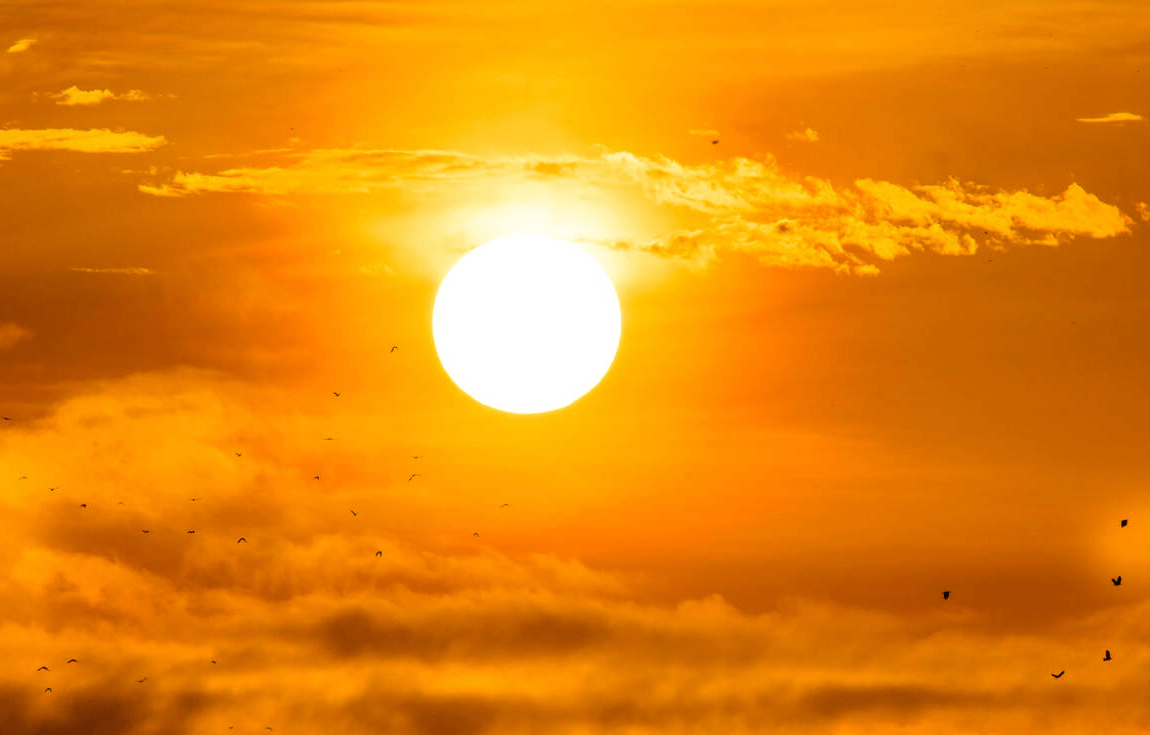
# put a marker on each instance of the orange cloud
(80, 141)
(1112, 118)
(11, 333)
(810, 135)
(747, 205)
(22, 45)
(120, 271)
(73, 96)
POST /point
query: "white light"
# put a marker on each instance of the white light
(526, 323)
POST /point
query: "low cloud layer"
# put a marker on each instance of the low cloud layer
(1113, 117)
(74, 96)
(99, 140)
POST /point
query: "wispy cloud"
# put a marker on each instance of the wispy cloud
(1143, 210)
(745, 205)
(119, 271)
(706, 132)
(810, 135)
(11, 333)
(73, 96)
(22, 45)
(80, 141)
(1113, 117)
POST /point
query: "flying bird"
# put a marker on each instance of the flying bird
(946, 595)
(5, 418)
(1107, 656)
(1123, 523)
(141, 681)
(213, 660)
(316, 477)
(25, 477)
(43, 668)
(71, 661)
(379, 553)
(239, 454)
(329, 438)
(241, 540)
(412, 477)
(193, 499)
(714, 142)
(48, 690)
(353, 513)
(1059, 674)
(476, 534)
(505, 505)
(191, 531)
(145, 530)
(83, 505)
(394, 348)
(53, 489)
(1117, 580)
(334, 393)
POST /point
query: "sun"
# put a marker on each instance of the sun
(526, 323)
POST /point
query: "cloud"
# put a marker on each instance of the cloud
(80, 141)
(740, 204)
(73, 96)
(11, 333)
(809, 135)
(1112, 117)
(122, 271)
(22, 45)
(310, 628)
(1143, 210)
(707, 133)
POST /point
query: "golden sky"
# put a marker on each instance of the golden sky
(887, 337)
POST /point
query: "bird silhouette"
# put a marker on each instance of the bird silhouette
(83, 505)
(1123, 523)
(416, 456)
(53, 489)
(379, 553)
(394, 348)
(353, 513)
(25, 477)
(144, 530)
(329, 438)
(71, 661)
(239, 454)
(1107, 656)
(242, 540)
(476, 534)
(412, 477)
(48, 690)
(946, 595)
(316, 477)
(1059, 674)
(141, 681)
(193, 499)
(5, 418)
(505, 505)
(213, 660)
(191, 531)
(43, 668)
(714, 142)
(334, 393)
(1116, 580)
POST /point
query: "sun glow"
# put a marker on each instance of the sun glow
(526, 324)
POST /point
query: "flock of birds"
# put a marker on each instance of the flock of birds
(240, 540)
(1116, 581)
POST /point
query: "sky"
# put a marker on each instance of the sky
(885, 338)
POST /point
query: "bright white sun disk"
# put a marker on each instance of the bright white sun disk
(526, 323)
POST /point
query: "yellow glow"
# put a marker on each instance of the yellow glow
(526, 323)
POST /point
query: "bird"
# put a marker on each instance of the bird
(714, 142)
(416, 456)
(946, 595)
(141, 681)
(241, 540)
(505, 505)
(213, 660)
(25, 477)
(43, 668)
(329, 438)
(335, 393)
(191, 531)
(394, 348)
(5, 418)
(1107, 656)
(83, 505)
(193, 499)
(379, 553)
(239, 454)
(1123, 523)
(1059, 674)
(1116, 580)
(48, 690)
(476, 534)
(412, 477)
(316, 477)
(71, 661)
(353, 513)
(144, 530)
(54, 489)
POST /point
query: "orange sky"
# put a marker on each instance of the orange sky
(886, 338)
